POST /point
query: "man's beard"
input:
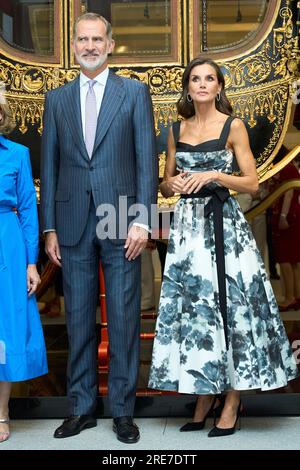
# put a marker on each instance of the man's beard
(91, 66)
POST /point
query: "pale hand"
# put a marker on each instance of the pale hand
(33, 279)
(176, 183)
(52, 248)
(195, 181)
(136, 242)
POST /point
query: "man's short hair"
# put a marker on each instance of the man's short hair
(93, 17)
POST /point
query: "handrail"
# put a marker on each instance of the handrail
(271, 198)
(280, 165)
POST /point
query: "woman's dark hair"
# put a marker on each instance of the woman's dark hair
(187, 109)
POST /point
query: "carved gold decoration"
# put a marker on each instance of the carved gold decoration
(160, 80)
(25, 78)
(284, 32)
(166, 203)
(269, 101)
(252, 69)
(28, 108)
(27, 112)
(164, 114)
(162, 163)
(37, 184)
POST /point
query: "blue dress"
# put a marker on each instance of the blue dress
(22, 346)
(190, 354)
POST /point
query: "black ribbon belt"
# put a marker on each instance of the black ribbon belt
(215, 205)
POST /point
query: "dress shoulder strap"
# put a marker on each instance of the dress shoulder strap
(176, 131)
(225, 132)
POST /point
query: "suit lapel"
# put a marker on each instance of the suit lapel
(72, 114)
(114, 95)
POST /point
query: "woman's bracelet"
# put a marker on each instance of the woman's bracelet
(283, 215)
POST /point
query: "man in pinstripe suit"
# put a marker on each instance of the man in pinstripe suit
(78, 175)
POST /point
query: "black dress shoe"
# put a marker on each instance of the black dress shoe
(126, 430)
(193, 426)
(220, 432)
(74, 425)
(199, 425)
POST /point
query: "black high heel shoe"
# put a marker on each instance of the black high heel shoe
(219, 432)
(198, 425)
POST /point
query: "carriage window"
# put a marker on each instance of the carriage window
(225, 24)
(28, 25)
(139, 28)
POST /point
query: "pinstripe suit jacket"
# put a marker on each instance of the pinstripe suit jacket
(124, 160)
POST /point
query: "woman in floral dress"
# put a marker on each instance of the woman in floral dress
(218, 328)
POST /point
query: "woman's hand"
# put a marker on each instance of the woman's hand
(195, 181)
(33, 279)
(177, 183)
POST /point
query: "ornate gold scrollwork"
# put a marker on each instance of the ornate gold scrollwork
(269, 101)
(160, 80)
(27, 112)
(27, 85)
(252, 69)
(37, 184)
(282, 34)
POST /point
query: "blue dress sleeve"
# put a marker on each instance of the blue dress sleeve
(27, 207)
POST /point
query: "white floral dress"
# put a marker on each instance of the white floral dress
(190, 354)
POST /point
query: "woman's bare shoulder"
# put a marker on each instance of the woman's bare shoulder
(237, 124)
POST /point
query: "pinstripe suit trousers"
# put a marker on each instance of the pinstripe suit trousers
(122, 279)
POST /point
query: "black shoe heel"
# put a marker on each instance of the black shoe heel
(220, 432)
(197, 426)
(218, 409)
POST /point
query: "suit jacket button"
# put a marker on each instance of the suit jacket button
(88, 192)
(91, 168)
